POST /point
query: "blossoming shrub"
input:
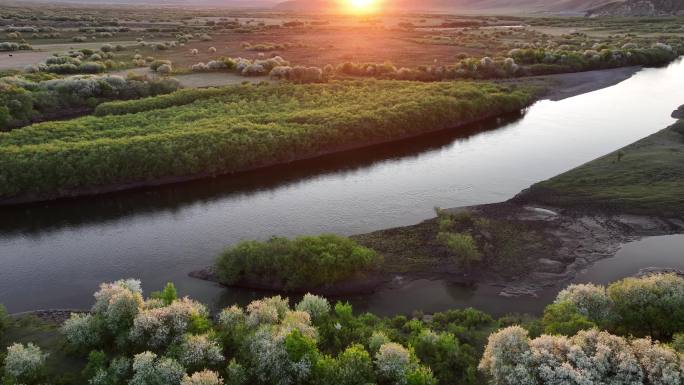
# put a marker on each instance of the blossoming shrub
(316, 306)
(590, 300)
(646, 306)
(160, 327)
(205, 377)
(24, 364)
(118, 303)
(148, 369)
(199, 351)
(590, 356)
(23, 101)
(83, 331)
(172, 341)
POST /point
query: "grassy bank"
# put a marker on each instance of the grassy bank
(646, 177)
(245, 127)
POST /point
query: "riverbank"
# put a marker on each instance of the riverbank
(582, 215)
(543, 236)
(70, 186)
(195, 134)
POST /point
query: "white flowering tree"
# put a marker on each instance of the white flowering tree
(160, 327)
(205, 377)
(148, 369)
(589, 357)
(118, 303)
(267, 311)
(199, 351)
(24, 364)
(272, 364)
(590, 300)
(231, 317)
(393, 363)
(297, 320)
(316, 306)
(83, 331)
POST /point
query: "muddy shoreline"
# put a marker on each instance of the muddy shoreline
(580, 239)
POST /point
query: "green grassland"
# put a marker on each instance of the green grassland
(646, 177)
(239, 128)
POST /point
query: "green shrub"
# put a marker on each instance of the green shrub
(235, 128)
(650, 306)
(462, 246)
(4, 320)
(564, 318)
(305, 262)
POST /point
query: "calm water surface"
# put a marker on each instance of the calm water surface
(54, 255)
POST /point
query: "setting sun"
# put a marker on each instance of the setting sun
(362, 6)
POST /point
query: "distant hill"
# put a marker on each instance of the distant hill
(579, 7)
(176, 3)
(559, 7)
(640, 8)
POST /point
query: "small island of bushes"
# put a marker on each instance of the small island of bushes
(305, 262)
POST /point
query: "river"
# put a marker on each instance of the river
(54, 255)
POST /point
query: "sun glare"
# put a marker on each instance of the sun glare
(362, 6)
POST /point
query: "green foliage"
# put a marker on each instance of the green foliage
(246, 127)
(463, 248)
(168, 295)
(678, 342)
(450, 361)
(236, 374)
(472, 240)
(651, 306)
(305, 262)
(5, 320)
(354, 366)
(564, 318)
(97, 360)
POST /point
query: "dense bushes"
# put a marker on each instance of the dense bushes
(130, 339)
(589, 357)
(10, 46)
(521, 62)
(268, 342)
(24, 364)
(4, 320)
(306, 262)
(23, 101)
(243, 127)
(649, 306)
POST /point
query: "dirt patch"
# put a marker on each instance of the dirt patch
(21, 59)
(562, 86)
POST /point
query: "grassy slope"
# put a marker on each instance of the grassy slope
(647, 179)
